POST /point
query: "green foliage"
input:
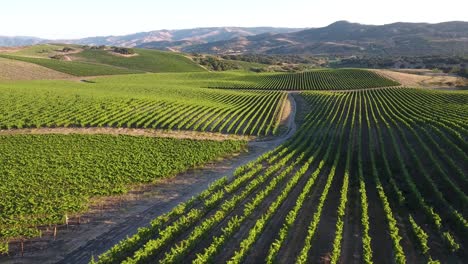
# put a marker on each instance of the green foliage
(4, 247)
(45, 177)
(343, 79)
(242, 209)
(73, 67)
(124, 51)
(166, 101)
(99, 60)
(216, 64)
(42, 51)
(420, 235)
(452, 245)
(143, 61)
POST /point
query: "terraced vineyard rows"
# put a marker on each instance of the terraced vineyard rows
(339, 79)
(77, 167)
(60, 104)
(372, 176)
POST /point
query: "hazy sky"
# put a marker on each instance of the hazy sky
(76, 19)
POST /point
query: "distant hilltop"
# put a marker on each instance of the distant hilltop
(339, 38)
(194, 35)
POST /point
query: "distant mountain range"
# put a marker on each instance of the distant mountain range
(157, 37)
(19, 41)
(339, 38)
(178, 37)
(344, 38)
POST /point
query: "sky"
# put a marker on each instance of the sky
(58, 19)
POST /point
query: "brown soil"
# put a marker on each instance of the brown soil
(270, 233)
(286, 111)
(322, 242)
(378, 228)
(232, 244)
(298, 231)
(351, 249)
(128, 131)
(425, 80)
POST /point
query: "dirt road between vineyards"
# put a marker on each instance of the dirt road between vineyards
(112, 219)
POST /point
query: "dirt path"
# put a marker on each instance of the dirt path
(102, 228)
(181, 134)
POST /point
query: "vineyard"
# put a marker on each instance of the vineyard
(339, 79)
(77, 167)
(152, 101)
(371, 176)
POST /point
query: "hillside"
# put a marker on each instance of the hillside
(153, 38)
(339, 38)
(176, 37)
(345, 38)
(91, 61)
(17, 70)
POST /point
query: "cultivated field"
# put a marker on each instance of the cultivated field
(164, 101)
(11, 70)
(77, 167)
(341, 79)
(345, 165)
(351, 186)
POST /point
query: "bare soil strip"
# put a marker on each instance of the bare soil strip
(127, 131)
(112, 219)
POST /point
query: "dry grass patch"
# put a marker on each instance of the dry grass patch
(424, 80)
(179, 134)
(11, 70)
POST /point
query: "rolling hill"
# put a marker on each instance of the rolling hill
(80, 61)
(154, 38)
(11, 70)
(339, 38)
(345, 38)
(176, 37)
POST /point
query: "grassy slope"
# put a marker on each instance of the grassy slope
(245, 65)
(146, 60)
(11, 70)
(102, 62)
(39, 51)
(73, 67)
